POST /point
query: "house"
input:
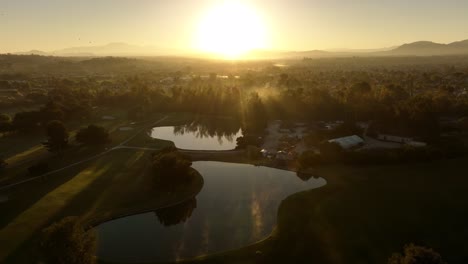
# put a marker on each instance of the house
(396, 139)
(348, 142)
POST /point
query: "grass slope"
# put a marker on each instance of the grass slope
(365, 214)
(115, 184)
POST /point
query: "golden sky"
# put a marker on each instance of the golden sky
(175, 24)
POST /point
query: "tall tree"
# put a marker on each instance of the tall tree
(5, 123)
(57, 136)
(3, 164)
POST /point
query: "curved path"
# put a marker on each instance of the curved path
(119, 146)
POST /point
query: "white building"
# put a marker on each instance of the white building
(347, 142)
(395, 139)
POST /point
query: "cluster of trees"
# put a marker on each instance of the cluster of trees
(171, 169)
(67, 242)
(30, 121)
(400, 98)
(93, 135)
(57, 136)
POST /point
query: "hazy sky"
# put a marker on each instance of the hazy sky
(291, 24)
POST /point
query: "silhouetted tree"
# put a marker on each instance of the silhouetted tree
(57, 136)
(93, 135)
(3, 164)
(5, 123)
(413, 254)
(52, 111)
(171, 168)
(26, 121)
(67, 242)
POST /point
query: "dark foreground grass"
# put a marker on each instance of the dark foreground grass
(115, 184)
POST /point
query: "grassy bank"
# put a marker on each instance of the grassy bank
(114, 184)
(364, 214)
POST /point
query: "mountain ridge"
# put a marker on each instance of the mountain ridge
(418, 48)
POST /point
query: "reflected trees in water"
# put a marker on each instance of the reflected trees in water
(220, 128)
(176, 214)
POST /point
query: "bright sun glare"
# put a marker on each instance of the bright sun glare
(230, 30)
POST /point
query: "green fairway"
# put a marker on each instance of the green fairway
(115, 184)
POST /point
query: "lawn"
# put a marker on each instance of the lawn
(115, 184)
(364, 214)
(23, 150)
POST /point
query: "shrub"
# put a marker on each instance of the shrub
(416, 255)
(67, 242)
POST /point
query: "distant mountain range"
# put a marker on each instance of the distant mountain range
(111, 49)
(420, 48)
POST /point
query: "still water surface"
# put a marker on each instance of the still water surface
(197, 137)
(236, 207)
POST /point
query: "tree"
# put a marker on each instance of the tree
(171, 169)
(68, 242)
(413, 254)
(93, 135)
(3, 164)
(57, 136)
(52, 111)
(26, 121)
(255, 114)
(5, 123)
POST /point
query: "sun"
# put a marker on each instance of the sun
(230, 30)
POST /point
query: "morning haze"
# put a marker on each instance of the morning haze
(52, 25)
(233, 131)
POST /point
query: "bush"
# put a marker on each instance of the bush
(67, 242)
(416, 255)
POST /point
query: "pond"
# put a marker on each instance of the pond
(201, 133)
(237, 206)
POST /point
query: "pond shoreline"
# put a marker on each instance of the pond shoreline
(267, 236)
(89, 224)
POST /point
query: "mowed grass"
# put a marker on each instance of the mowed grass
(22, 150)
(365, 214)
(115, 184)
